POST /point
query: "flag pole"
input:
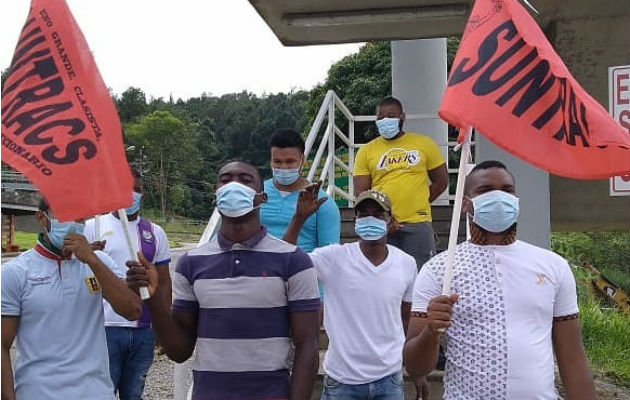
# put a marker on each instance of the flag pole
(131, 246)
(97, 227)
(457, 209)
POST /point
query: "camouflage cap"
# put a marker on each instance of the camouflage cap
(376, 195)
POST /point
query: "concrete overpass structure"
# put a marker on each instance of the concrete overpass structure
(588, 35)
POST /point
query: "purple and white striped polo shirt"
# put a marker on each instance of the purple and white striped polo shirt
(244, 293)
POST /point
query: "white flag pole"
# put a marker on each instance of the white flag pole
(132, 247)
(457, 209)
(97, 227)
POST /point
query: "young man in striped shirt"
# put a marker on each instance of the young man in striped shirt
(241, 299)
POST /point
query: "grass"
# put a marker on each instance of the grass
(605, 332)
(605, 328)
(25, 240)
(178, 229)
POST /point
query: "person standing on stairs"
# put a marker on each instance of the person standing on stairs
(368, 293)
(287, 160)
(410, 169)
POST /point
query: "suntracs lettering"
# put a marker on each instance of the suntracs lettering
(495, 75)
(36, 107)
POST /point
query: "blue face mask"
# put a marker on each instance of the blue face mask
(235, 199)
(285, 177)
(495, 211)
(370, 228)
(388, 127)
(135, 206)
(59, 230)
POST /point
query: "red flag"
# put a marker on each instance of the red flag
(59, 124)
(508, 82)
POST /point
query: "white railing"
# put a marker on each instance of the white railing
(328, 147)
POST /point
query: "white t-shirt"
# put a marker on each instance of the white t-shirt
(362, 311)
(116, 247)
(499, 346)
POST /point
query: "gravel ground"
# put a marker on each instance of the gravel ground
(159, 385)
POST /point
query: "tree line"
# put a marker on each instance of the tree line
(180, 144)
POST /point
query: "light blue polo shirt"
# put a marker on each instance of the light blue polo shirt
(320, 229)
(61, 347)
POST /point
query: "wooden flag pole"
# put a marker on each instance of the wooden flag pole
(131, 246)
(457, 209)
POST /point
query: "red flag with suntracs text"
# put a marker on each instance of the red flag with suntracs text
(509, 84)
(59, 124)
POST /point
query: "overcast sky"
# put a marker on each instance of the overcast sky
(184, 47)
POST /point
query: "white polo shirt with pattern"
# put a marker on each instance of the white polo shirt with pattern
(499, 346)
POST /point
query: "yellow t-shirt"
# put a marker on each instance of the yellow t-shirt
(399, 168)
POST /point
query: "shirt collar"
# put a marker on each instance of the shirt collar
(250, 242)
(47, 250)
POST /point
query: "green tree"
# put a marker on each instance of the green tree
(169, 156)
(131, 105)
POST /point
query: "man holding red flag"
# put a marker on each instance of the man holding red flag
(52, 300)
(513, 306)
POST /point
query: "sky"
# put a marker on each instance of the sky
(184, 48)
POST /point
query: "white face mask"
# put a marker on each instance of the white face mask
(235, 199)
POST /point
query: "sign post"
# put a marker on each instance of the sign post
(619, 105)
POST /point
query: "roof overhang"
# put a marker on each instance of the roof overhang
(307, 22)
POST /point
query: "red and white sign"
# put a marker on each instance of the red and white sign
(619, 104)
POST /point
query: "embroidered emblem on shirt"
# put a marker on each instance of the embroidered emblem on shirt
(398, 158)
(92, 283)
(147, 235)
(542, 279)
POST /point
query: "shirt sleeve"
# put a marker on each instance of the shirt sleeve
(328, 223)
(433, 154)
(163, 253)
(13, 286)
(119, 270)
(302, 290)
(361, 166)
(565, 302)
(184, 298)
(321, 261)
(89, 232)
(413, 273)
(425, 288)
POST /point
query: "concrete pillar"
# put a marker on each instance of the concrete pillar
(532, 187)
(418, 81)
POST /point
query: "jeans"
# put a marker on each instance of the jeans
(391, 387)
(130, 356)
(415, 239)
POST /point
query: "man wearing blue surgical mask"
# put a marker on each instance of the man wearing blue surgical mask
(409, 167)
(241, 299)
(287, 159)
(368, 288)
(513, 306)
(52, 301)
(131, 344)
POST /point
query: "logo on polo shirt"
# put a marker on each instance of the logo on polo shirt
(542, 279)
(147, 235)
(92, 283)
